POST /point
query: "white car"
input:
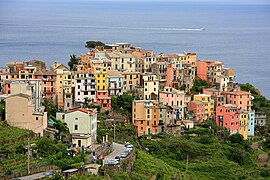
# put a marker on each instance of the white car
(130, 146)
(129, 149)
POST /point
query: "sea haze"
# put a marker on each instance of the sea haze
(238, 35)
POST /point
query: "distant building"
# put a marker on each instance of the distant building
(82, 124)
(239, 98)
(131, 81)
(145, 116)
(196, 108)
(114, 81)
(208, 105)
(228, 116)
(243, 124)
(260, 119)
(150, 86)
(85, 89)
(251, 123)
(121, 61)
(172, 97)
(24, 110)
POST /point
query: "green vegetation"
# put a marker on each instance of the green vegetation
(123, 102)
(73, 61)
(147, 166)
(50, 107)
(94, 44)
(199, 85)
(2, 108)
(211, 159)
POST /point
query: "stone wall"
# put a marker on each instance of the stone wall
(104, 149)
(126, 165)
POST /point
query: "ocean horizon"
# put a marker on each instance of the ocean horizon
(238, 35)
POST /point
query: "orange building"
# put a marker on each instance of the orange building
(145, 116)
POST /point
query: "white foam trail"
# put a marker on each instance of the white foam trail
(132, 28)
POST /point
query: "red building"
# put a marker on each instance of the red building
(196, 108)
(228, 116)
(103, 99)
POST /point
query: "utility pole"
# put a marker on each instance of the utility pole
(28, 158)
(113, 131)
(187, 164)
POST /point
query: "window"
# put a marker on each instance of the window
(141, 122)
(36, 118)
(147, 123)
(76, 127)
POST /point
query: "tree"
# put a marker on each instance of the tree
(63, 131)
(2, 109)
(73, 61)
(123, 102)
(93, 44)
(236, 138)
(199, 85)
(50, 107)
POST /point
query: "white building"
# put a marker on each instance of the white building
(85, 87)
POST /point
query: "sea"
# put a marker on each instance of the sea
(52, 30)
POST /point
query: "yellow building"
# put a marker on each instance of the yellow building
(243, 125)
(209, 105)
(100, 74)
(131, 80)
(64, 84)
(27, 72)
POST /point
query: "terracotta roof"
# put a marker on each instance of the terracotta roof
(238, 92)
(82, 110)
(171, 55)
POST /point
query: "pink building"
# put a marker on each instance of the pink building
(208, 70)
(48, 84)
(228, 116)
(172, 97)
(196, 108)
(7, 87)
(103, 99)
(241, 99)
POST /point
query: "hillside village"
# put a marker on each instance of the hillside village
(171, 93)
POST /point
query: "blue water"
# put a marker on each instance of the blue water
(238, 35)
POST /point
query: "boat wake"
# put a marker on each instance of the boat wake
(133, 28)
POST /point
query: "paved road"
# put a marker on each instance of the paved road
(34, 176)
(118, 149)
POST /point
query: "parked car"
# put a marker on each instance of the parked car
(129, 149)
(124, 154)
(126, 144)
(111, 162)
(49, 173)
(130, 146)
(117, 158)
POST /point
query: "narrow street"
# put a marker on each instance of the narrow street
(118, 149)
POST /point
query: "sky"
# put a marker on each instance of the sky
(239, 2)
(251, 2)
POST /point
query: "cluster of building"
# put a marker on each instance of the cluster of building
(161, 84)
